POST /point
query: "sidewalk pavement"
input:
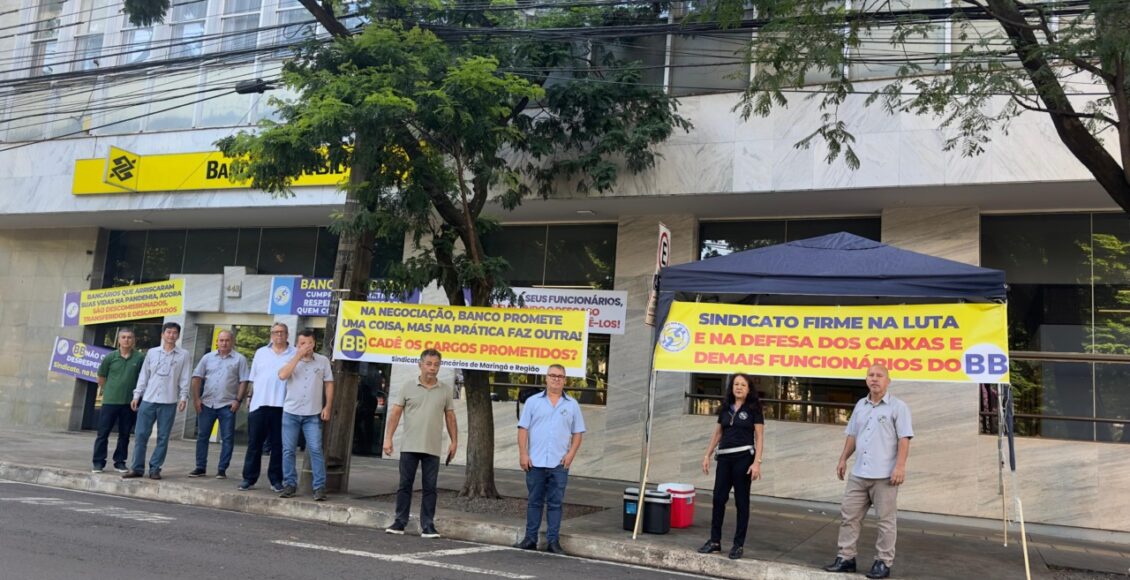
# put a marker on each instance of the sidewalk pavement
(786, 540)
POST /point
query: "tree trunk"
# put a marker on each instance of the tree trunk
(351, 272)
(479, 480)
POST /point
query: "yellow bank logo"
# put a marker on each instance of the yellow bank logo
(122, 169)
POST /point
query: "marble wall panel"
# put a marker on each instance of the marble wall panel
(953, 233)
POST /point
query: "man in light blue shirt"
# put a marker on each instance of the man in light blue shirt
(549, 435)
(880, 430)
(161, 392)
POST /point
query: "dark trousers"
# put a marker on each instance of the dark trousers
(430, 465)
(111, 415)
(731, 472)
(546, 487)
(264, 425)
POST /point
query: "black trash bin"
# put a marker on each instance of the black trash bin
(656, 511)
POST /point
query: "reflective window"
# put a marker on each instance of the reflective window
(580, 256)
(288, 251)
(210, 250)
(1068, 304)
(722, 238)
(164, 255)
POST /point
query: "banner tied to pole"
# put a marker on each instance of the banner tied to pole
(119, 303)
(521, 340)
(919, 342)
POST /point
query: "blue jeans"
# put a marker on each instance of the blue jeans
(113, 415)
(264, 426)
(311, 427)
(147, 414)
(546, 486)
(204, 421)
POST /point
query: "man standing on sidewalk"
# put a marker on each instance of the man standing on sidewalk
(264, 417)
(880, 429)
(425, 404)
(218, 386)
(162, 392)
(117, 377)
(549, 435)
(307, 375)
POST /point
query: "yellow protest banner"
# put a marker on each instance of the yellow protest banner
(126, 303)
(121, 171)
(920, 342)
(520, 340)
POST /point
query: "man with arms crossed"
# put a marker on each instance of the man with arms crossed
(307, 375)
(161, 392)
(425, 404)
(880, 430)
(117, 377)
(264, 417)
(549, 435)
(218, 385)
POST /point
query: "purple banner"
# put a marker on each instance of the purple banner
(77, 359)
(71, 308)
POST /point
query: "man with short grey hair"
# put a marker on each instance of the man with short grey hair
(218, 386)
(426, 405)
(880, 430)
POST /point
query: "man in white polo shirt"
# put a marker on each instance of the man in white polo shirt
(309, 397)
(264, 418)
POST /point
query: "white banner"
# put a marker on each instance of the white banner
(608, 309)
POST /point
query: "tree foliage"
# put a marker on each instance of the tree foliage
(1068, 59)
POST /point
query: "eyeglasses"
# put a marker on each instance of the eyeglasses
(562, 377)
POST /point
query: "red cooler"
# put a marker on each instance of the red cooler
(682, 503)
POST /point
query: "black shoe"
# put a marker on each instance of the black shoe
(396, 528)
(120, 468)
(879, 569)
(527, 544)
(154, 475)
(554, 548)
(429, 532)
(196, 472)
(841, 565)
(288, 491)
(710, 547)
(133, 475)
(736, 552)
(246, 485)
(222, 474)
(320, 494)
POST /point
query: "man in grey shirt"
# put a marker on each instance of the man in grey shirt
(161, 392)
(426, 405)
(218, 386)
(309, 398)
(880, 430)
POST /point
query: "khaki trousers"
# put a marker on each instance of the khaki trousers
(859, 495)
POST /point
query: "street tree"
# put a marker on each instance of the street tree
(434, 129)
(1068, 59)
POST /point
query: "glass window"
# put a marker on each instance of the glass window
(580, 256)
(45, 57)
(164, 255)
(722, 238)
(177, 105)
(87, 50)
(208, 251)
(47, 19)
(247, 253)
(124, 256)
(876, 57)
(288, 251)
(1069, 292)
(239, 24)
(709, 63)
(387, 253)
(523, 248)
(229, 108)
(326, 257)
(137, 42)
(187, 20)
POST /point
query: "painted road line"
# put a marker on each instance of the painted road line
(456, 552)
(89, 508)
(407, 560)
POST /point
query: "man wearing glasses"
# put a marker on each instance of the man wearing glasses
(161, 392)
(426, 405)
(264, 418)
(549, 435)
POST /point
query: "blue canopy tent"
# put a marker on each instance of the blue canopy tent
(837, 268)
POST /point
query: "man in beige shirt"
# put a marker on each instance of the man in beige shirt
(426, 405)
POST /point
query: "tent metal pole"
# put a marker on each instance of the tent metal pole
(1000, 464)
(646, 451)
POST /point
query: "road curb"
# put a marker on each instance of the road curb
(585, 546)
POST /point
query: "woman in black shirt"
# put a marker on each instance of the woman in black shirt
(739, 438)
